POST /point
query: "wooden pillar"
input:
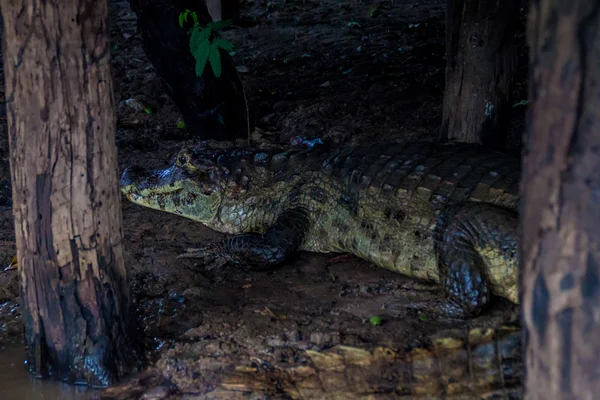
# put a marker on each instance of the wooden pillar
(480, 65)
(75, 297)
(560, 244)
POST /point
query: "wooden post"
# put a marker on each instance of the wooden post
(214, 9)
(224, 9)
(76, 303)
(480, 65)
(560, 244)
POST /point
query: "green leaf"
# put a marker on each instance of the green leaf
(181, 125)
(217, 25)
(214, 58)
(201, 56)
(183, 17)
(223, 44)
(521, 103)
(200, 47)
(375, 320)
(195, 18)
(198, 39)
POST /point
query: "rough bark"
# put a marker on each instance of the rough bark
(224, 9)
(560, 242)
(212, 108)
(75, 296)
(481, 61)
(214, 9)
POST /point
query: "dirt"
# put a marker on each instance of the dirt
(354, 72)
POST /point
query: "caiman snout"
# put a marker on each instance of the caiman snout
(132, 176)
(139, 181)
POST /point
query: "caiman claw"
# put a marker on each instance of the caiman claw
(211, 255)
(439, 308)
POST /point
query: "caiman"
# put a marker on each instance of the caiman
(445, 213)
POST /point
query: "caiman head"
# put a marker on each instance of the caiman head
(191, 187)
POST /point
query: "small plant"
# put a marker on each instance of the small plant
(202, 47)
(521, 103)
(375, 12)
(375, 320)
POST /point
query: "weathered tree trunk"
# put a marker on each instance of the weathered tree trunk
(223, 9)
(560, 242)
(75, 296)
(214, 9)
(212, 108)
(481, 61)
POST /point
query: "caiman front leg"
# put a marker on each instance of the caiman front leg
(476, 246)
(254, 250)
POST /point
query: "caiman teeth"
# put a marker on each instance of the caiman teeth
(129, 190)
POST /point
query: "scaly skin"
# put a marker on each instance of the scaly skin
(443, 213)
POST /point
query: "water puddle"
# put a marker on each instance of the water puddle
(17, 384)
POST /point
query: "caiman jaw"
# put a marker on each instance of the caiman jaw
(149, 188)
(169, 190)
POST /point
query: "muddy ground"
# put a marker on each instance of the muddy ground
(352, 71)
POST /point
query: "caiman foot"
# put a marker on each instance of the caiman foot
(250, 251)
(257, 251)
(211, 256)
(473, 241)
(342, 258)
(466, 290)
(440, 308)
